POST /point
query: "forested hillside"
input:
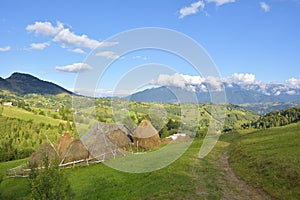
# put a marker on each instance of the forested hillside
(276, 118)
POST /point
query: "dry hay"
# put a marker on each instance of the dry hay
(45, 150)
(75, 152)
(63, 143)
(119, 138)
(103, 140)
(146, 136)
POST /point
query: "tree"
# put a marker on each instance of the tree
(49, 183)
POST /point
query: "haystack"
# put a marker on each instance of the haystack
(106, 140)
(146, 136)
(75, 152)
(45, 150)
(118, 134)
(119, 138)
(63, 143)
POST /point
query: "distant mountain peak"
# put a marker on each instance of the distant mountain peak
(22, 76)
(21, 83)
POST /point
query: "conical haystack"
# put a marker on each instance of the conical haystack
(45, 150)
(146, 136)
(75, 152)
(63, 143)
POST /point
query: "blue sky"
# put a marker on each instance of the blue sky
(48, 38)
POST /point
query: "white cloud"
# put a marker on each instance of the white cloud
(107, 54)
(64, 36)
(294, 82)
(242, 78)
(171, 80)
(264, 6)
(78, 50)
(45, 28)
(192, 9)
(39, 46)
(6, 48)
(189, 82)
(74, 68)
(220, 2)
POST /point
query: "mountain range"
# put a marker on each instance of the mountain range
(235, 94)
(21, 84)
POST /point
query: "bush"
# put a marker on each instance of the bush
(49, 183)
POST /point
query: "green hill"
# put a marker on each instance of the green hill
(277, 118)
(270, 159)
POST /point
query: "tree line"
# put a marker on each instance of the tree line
(275, 119)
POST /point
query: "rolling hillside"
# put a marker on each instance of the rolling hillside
(270, 159)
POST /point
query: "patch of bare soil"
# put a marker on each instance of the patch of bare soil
(234, 187)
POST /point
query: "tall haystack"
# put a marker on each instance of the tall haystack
(63, 143)
(76, 151)
(146, 136)
(45, 150)
(105, 140)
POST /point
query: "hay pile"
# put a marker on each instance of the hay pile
(45, 150)
(119, 138)
(146, 136)
(76, 151)
(106, 140)
(63, 143)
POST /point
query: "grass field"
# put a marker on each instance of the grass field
(14, 112)
(186, 178)
(270, 159)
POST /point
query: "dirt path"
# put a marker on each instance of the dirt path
(235, 188)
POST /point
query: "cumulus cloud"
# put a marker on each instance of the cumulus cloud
(67, 38)
(74, 68)
(294, 82)
(64, 36)
(220, 2)
(45, 28)
(6, 48)
(108, 55)
(192, 9)
(264, 6)
(242, 78)
(204, 83)
(78, 50)
(39, 46)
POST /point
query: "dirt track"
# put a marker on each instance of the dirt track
(234, 187)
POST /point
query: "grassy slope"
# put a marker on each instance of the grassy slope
(14, 112)
(270, 159)
(186, 178)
